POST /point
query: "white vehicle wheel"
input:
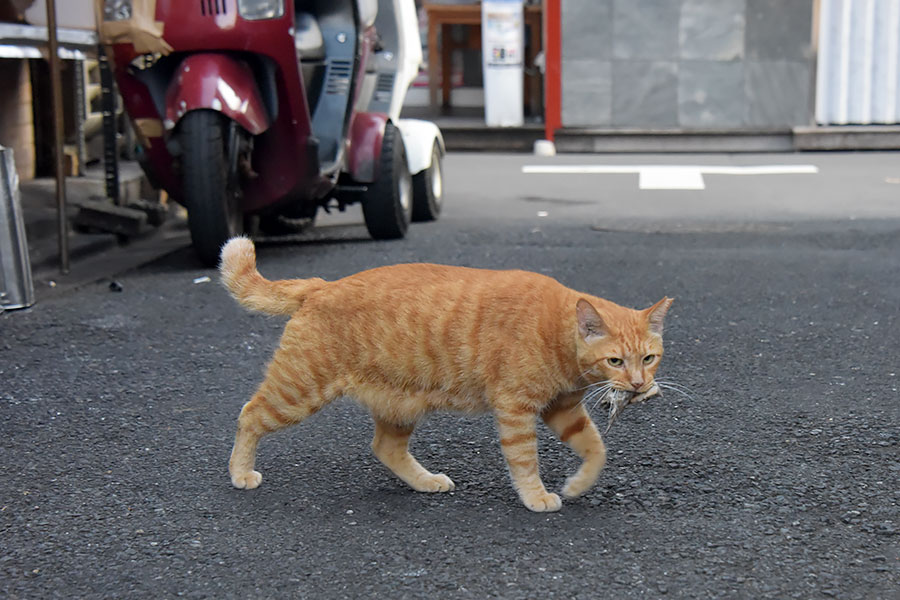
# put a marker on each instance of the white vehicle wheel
(428, 189)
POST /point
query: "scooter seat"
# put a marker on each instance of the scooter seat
(308, 38)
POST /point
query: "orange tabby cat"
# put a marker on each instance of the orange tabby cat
(407, 340)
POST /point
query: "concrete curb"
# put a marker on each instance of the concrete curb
(469, 137)
(849, 137)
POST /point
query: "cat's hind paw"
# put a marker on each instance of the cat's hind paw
(543, 502)
(434, 483)
(246, 481)
(576, 486)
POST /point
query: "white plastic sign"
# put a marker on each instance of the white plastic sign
(503, 47)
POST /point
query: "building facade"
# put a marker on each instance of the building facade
(687, 64)
(751, 65)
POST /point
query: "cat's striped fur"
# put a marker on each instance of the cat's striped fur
(407, 340)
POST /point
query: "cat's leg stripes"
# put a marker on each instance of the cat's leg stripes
(569, 420)
(251, 427)
(278, 403)
(518, 441)
(391, 447)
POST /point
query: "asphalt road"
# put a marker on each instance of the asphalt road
(776, 478)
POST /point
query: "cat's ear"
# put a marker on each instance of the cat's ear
(590, 323)
(656, 314)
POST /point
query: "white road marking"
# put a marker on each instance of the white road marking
(670, 177)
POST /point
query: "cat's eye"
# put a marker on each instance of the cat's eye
(649, 359)
(615, 362)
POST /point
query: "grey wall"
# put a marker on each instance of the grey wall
(686, 64)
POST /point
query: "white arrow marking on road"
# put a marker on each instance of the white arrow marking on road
(670, 177)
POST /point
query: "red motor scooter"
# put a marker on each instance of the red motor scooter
(251, 109)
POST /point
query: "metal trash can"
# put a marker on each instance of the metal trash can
(16, 287)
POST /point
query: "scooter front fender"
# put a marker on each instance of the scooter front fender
(366, 134)
(218, 82)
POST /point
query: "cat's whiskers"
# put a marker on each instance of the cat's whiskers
(596, 387)
(678, 388)
(590, 396)
(604, 399)
(597, 395)
(596, 400)
(593, 393)
(672, 383)
(590, 385)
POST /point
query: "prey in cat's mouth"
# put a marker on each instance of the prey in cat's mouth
(619, 399)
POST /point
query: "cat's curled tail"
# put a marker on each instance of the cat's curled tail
(238, 269)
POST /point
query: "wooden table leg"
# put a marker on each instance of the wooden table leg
(432, 64)
(533, 82)
(446, 68)
(527, 62)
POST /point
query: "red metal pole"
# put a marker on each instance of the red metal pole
(552, 69)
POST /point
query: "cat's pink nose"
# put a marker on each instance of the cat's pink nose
(637, 384)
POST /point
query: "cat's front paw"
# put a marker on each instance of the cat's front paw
(434, 483)
(542, 502)
(246, 481)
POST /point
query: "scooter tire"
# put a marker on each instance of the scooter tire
(428, 189)
(211, 191)
(388, 202)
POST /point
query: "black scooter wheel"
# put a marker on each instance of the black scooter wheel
(388, 202)
(212, 193)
